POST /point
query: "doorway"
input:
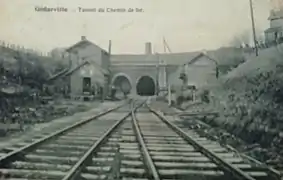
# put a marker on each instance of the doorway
(87, 85)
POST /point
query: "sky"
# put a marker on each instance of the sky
(187, 25)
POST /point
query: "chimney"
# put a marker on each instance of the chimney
(148, 49)
(83, 38)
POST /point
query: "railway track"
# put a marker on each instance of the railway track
(237, 165)
(203, 128)
(51, 156)
(129, 143)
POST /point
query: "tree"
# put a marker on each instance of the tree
(228, 58)
(57, 53)
(2, 69)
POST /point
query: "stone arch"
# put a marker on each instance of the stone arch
(121, 74)
(124, 82)
(146, 86)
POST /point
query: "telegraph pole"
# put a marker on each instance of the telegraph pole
(253, 27)
(157, 75)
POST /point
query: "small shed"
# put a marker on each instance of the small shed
(199, 71)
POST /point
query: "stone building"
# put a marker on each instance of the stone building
(88, 70)
(142, 74)
(199, 71)
(153, 70)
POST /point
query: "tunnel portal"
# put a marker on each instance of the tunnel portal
(145, 86)
(123, 84)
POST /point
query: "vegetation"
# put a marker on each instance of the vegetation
(250, 102)
(22, 77)
(228, 59)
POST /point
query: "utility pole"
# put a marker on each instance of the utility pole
(253, 27)
(157, 75)
(108, 81)
(169, 95)
(164, 70)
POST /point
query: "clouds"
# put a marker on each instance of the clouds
(186, 24)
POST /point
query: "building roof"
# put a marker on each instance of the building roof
(169, 58)
(82, 44)
(196, 58)
(70, 71)
(59, 74)
(175, 59)
(66, 72)
(74, 69)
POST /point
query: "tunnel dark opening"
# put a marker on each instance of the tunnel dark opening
(145, 86)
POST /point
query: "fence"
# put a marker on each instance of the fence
(22, 49)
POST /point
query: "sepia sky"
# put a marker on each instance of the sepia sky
(187, 25)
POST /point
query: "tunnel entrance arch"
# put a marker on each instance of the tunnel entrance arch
(145, 86)
(122, 83)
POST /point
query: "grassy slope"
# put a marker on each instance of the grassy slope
(227, 58)
(250, 98)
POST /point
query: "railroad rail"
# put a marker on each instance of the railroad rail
(41, 157)
(133, 143)
(194, 114)
(202, 128)
(237, 165)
